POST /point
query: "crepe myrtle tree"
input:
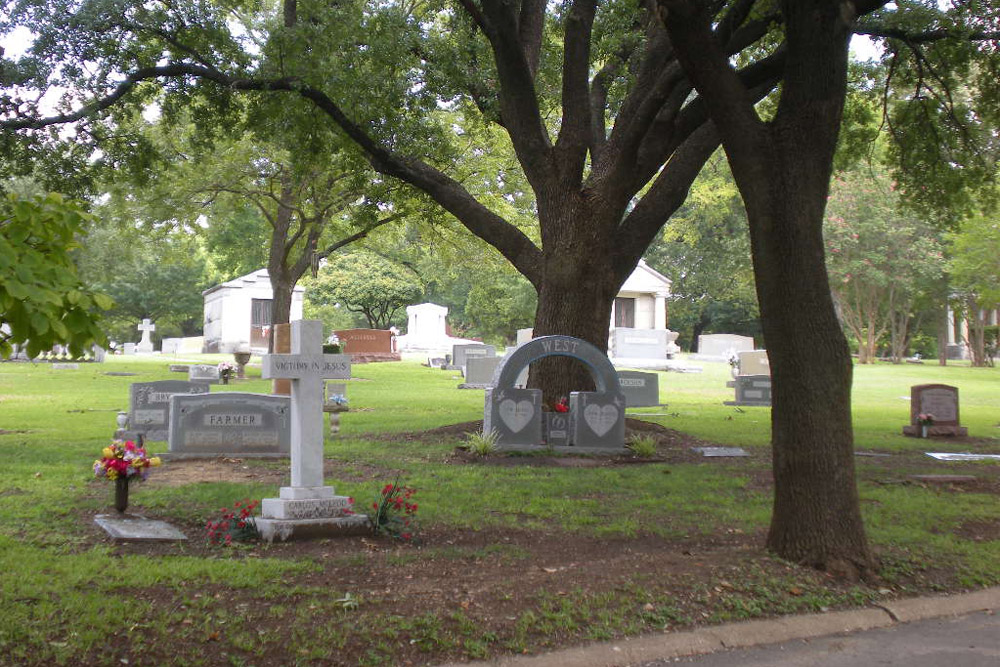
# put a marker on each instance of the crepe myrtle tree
(611, 110)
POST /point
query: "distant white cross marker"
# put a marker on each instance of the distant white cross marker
(306, 367)
(146, 327)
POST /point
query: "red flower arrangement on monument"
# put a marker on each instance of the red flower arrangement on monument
(562, 405)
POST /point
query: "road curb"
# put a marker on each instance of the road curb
(701, 641)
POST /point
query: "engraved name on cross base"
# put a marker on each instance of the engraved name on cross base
(306, 367)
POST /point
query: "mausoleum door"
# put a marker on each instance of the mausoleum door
(260, 322)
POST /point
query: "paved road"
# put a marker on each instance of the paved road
(938, 631)
(972, 640)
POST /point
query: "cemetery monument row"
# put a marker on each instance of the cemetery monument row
(596, 419)
(307, 508)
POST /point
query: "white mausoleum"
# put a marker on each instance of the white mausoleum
(238, 313)
(642, 300)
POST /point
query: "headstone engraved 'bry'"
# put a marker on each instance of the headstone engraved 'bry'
(229, 424)
(307, 508)
(939, 400)
(149, 405)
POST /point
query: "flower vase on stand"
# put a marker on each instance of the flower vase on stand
(924, 430)
(121, 493)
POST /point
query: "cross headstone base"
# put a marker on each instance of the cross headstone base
(302, 512)
(285, 530)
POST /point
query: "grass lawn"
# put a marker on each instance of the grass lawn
(517, 554)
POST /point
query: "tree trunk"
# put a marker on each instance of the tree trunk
(817, 516)
(575, 298)
(942, 337)
(782, 168)
(281, 299)
(698, 327)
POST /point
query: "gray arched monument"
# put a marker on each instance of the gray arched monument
(596, 419)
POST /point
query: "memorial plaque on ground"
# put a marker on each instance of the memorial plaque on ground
(752, 390)
(940, 401)
(203, 373)
(640, 389)
(460, 353)
(149, 405)
(229, 424)
(639, 343)
(479, 372)
(134, 528)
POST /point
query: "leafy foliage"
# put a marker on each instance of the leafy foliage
(975, 279)
(705, 251)
(42, 300)
(365, 283)
(880, 261)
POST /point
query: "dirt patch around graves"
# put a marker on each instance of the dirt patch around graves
(481, 592)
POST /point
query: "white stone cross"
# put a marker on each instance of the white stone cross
(306, 367)
(145, 345)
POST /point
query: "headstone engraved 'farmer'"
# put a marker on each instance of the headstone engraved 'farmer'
(306, 508)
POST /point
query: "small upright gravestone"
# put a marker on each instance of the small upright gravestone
(640, 389)
(479, 372)
(462, 353)
(753, 383)
(940, 401)
(149, 405)
(307, 508)
(596, 419)
(203, 373)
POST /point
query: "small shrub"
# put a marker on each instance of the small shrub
(236, 525)
(482, 444)
(642, 446)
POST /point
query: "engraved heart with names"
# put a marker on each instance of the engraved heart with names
(600, 419)
(516, 415)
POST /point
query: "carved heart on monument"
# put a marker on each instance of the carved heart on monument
(600, 419)
(516, 415)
